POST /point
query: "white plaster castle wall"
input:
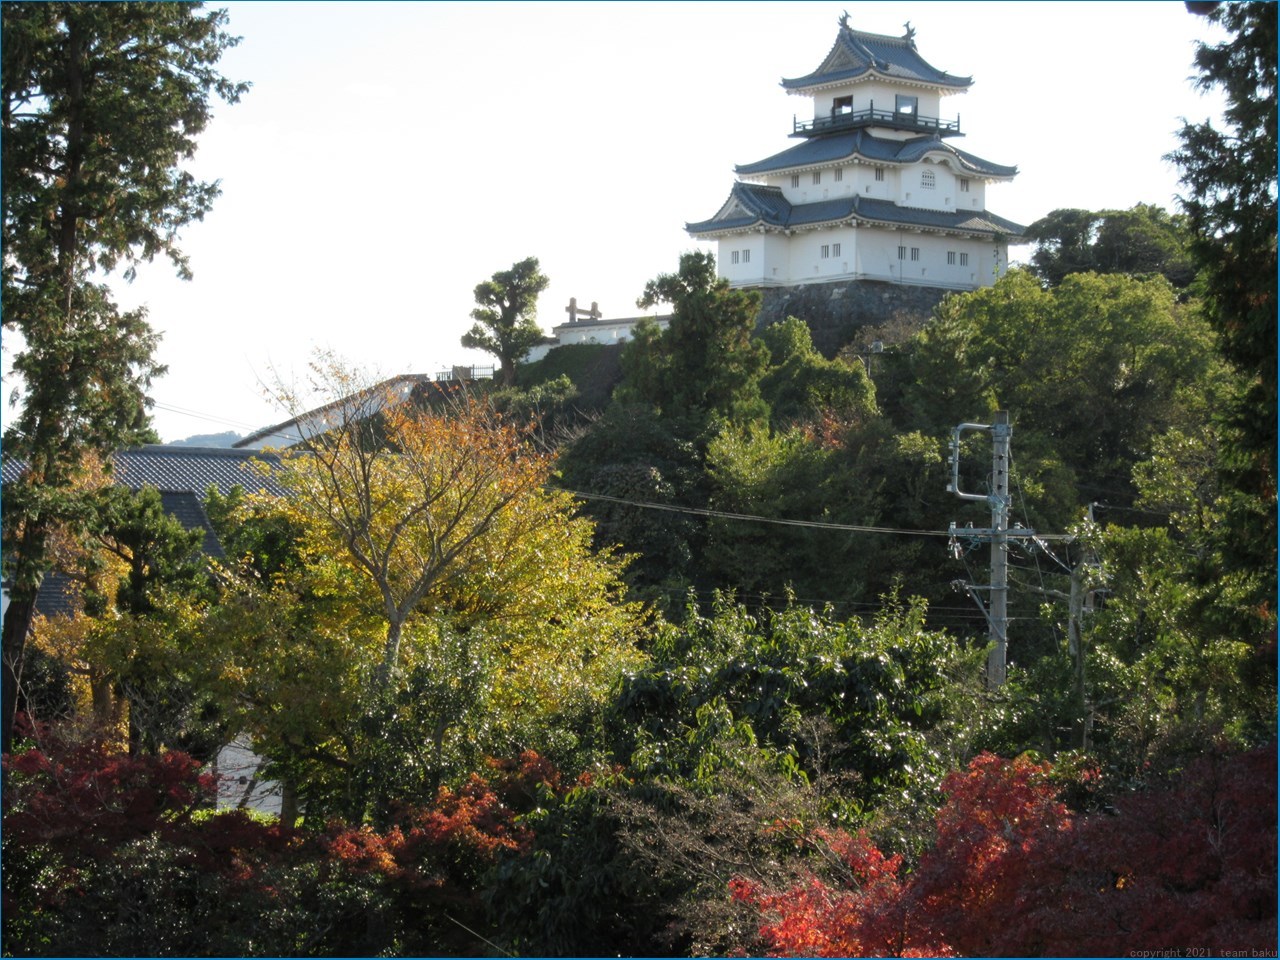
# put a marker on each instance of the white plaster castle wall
(865, 253)
(879, 95)
(774, 268)
(869, 94)
(867, 184)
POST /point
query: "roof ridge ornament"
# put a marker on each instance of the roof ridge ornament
(844, 20)
(910, 35)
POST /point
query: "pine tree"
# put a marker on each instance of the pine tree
(505, 318)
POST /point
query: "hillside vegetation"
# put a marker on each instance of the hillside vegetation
(668, 648)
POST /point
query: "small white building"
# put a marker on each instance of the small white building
(588, 326)
(874, 190)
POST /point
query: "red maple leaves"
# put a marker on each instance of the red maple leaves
(1013, 873)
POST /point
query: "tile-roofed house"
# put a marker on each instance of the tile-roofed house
(873, 190)
(182, 476)
(172, 469)
(175, 469)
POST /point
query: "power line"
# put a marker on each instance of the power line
(212, 418)
(754, 518)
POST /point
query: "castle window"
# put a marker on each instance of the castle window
(746, 256)
(841, 105)
(835, 249)
(839, 174)
(879, 174)
(826, 251)
(795, 180)
(928, 180)
(964, 259)
(906, 106)
(902, 253)
(915, 253)
(951, 258)
(733, 257)
(964, 184)
(817, 177)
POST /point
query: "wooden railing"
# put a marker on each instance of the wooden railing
(873, 117)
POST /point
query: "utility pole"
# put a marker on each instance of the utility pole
(998, 534)
(1079, 602)
(1000, 432)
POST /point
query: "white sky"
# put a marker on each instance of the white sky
(390, 156)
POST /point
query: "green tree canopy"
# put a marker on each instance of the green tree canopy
(707, 363)
(506, 315)
(1143, 240)
(1092, 370)
(801, 384)
(102, 103)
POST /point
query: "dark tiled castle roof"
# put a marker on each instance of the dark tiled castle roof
(754, 205)
(856, 55)
(862, 145)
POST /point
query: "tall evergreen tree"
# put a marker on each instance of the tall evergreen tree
(707, 363)
(1230, 173)
(102, 103)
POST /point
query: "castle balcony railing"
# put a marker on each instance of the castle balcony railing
(871, 117)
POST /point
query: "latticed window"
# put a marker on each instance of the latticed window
(928, 180)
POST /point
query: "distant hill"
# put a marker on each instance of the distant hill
(208, 440)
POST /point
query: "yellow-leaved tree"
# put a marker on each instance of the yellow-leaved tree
(495, 617)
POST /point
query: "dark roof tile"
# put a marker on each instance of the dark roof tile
(862, 145)
(856, 54)
(751, 204)
(195, 469)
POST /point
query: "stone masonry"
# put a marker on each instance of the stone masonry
(836, 311)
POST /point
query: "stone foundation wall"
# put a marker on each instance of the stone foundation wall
(836, 311)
